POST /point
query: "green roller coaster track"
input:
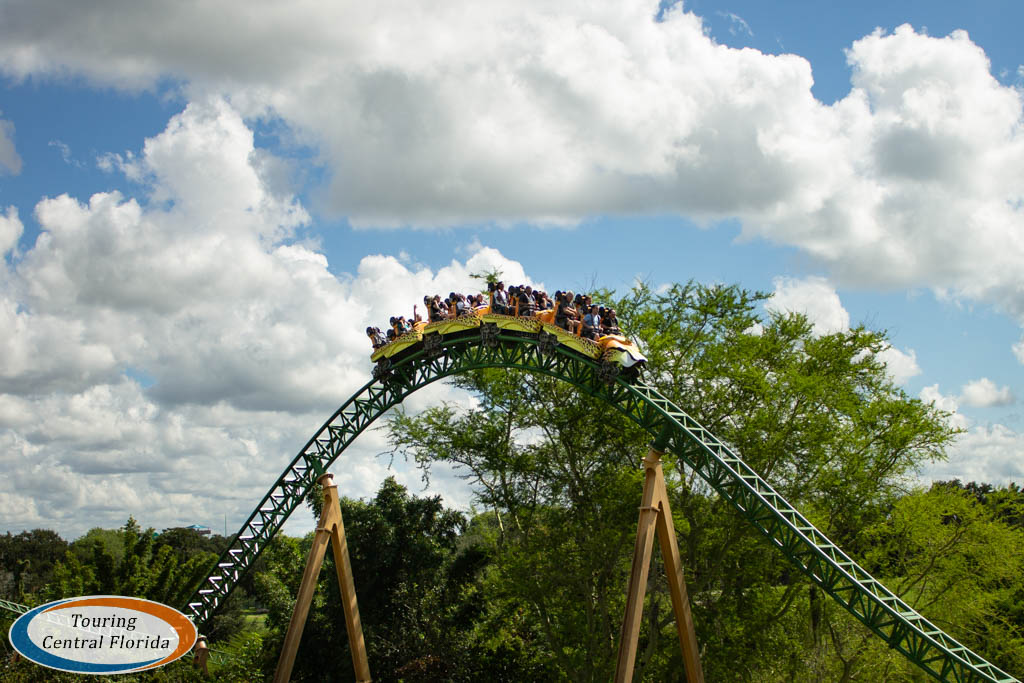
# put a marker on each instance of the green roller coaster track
(889, 617)
(14, 607)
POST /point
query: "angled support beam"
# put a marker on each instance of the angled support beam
(656, 517)
(330, 528)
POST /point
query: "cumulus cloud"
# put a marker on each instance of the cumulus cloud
(901, 365)
(10, 162)
(511, 111)
(494, 112)
(174, 351)
(11, 229)
(982, 393)
(1018, 351)
(989, 454)
(472, 94)
(945, 403)
(816, 298)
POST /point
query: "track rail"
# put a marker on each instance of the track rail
(14, 607)
(878, 608)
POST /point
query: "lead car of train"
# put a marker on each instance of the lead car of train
(615, 353)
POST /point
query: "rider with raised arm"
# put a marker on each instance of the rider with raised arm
(433, 304)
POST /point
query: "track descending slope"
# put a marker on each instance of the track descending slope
(828, 567)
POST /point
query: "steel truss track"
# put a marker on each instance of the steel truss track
(878, 608)
(13, 607)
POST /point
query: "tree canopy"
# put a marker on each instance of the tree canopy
(816, 414)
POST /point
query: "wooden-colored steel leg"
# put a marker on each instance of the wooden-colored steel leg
(348, 588)
(656, 515)
(201, 655)
(637, 582)
(677, 587)
(330, 528)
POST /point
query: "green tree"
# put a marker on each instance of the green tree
(110, 540)
(27, 561)
(554, 480)
(417, 600)
(133, 562)
(959, 564)
(20, 670)
(188, 542)
(952, 556)
(817, 415)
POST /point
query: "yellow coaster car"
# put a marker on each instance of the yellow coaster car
(613, 348)
(618, 349)
(405, 341)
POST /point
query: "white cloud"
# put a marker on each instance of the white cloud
(510, 111)
(65, 153)
(11, 229)
(946, 403)
(991, 454)
(981, 393)
(814, 297)
(1018, 350)
(901, 365)
(737, 24)
(983, 453)
(818, 300)
(10, 161)
(244, 341)
(499, 111)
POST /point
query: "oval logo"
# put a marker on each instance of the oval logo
(103, 634)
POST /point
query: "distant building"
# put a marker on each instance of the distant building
(198, 528)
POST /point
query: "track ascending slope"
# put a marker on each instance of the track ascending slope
(828, 567)
(13, 607)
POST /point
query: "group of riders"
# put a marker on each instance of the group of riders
(575, 313)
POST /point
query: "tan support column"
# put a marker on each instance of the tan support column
(330, 528)
(677, 585)
(201, 655)
(655, 513)
(339, 545)
(637, 580)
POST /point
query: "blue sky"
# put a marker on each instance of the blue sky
(198, 214)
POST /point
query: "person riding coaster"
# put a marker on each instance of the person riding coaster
(592, 335)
